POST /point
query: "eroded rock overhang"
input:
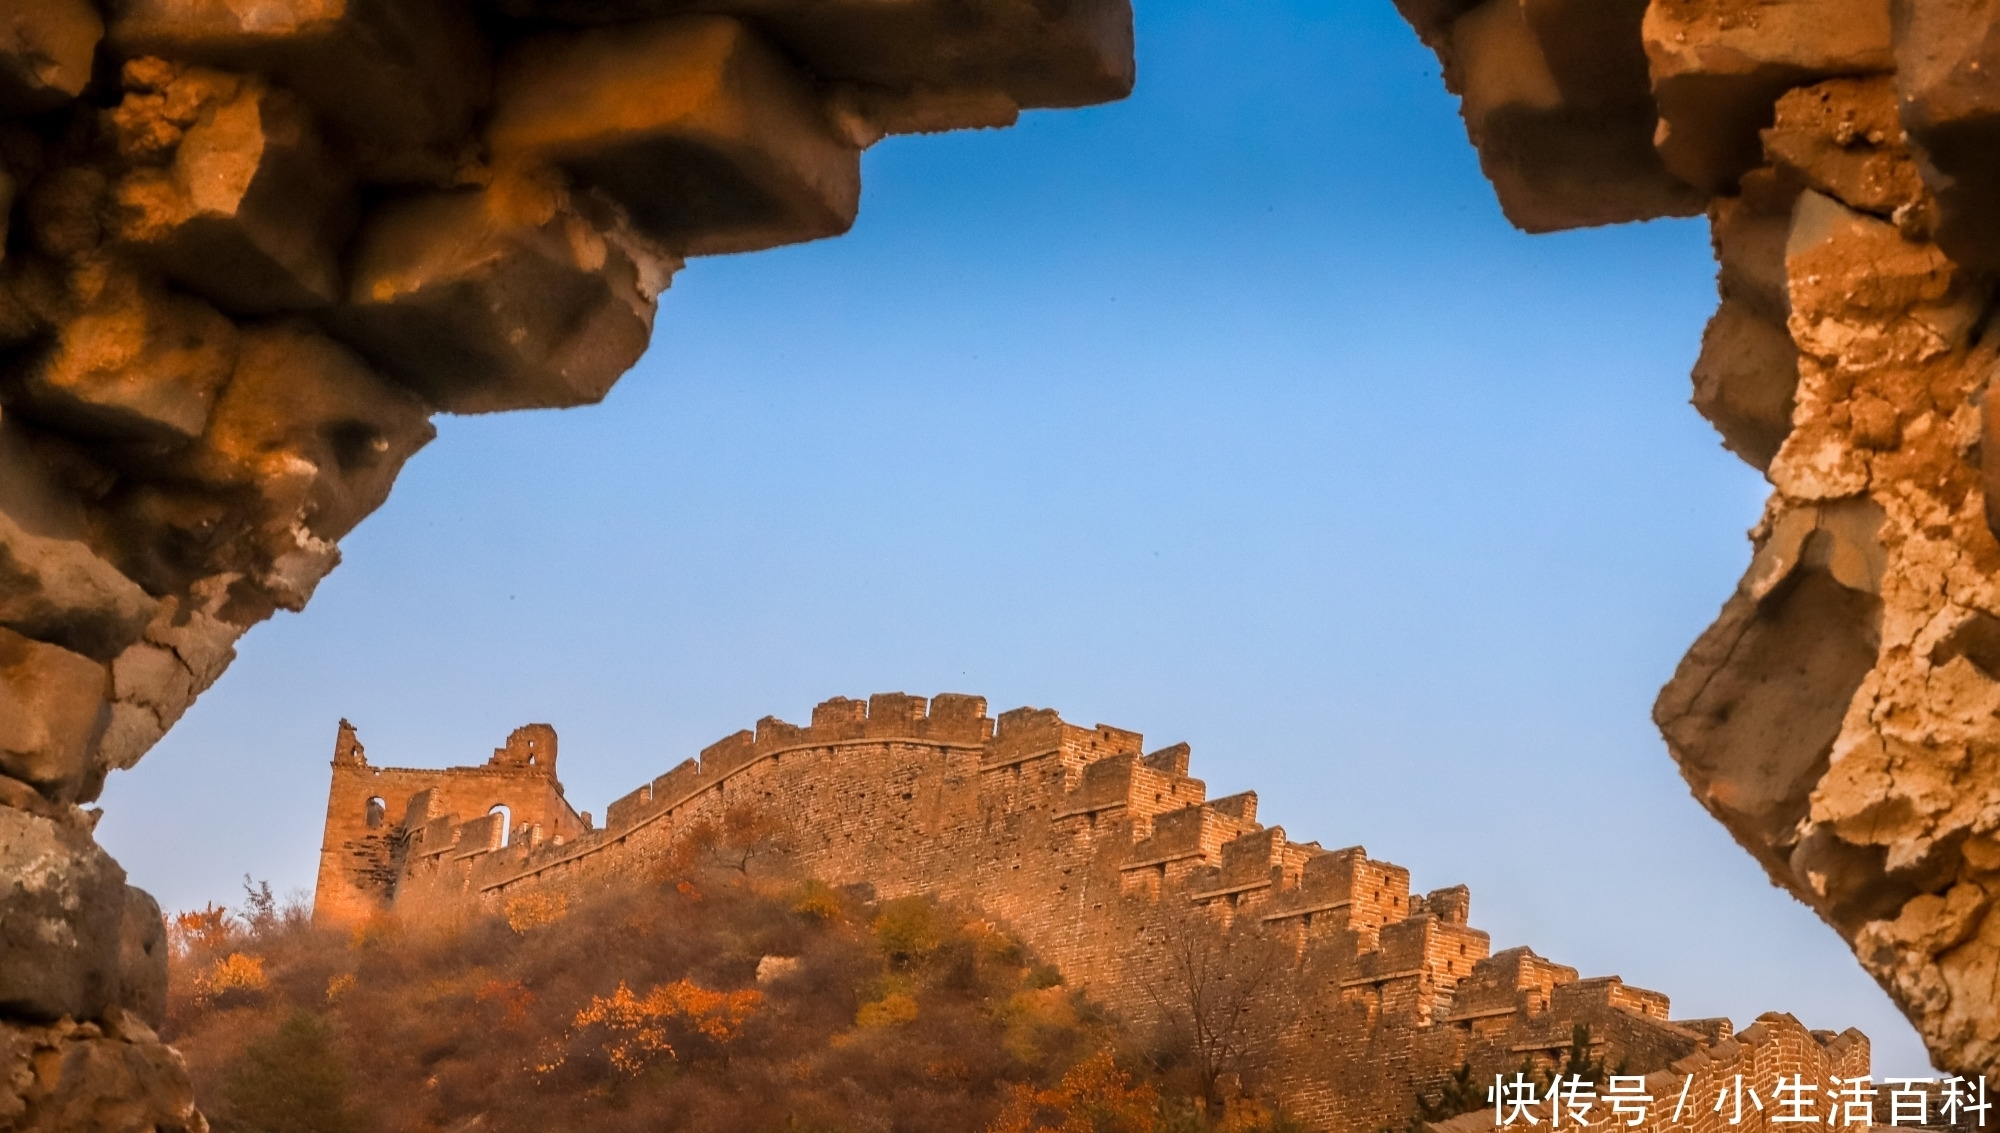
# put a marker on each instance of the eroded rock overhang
(1842, 716)
(251, 248)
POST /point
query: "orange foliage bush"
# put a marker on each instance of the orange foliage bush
(641, 1028)
(1095, 1096)
(533, 910)
(234, 974)
(205, 929)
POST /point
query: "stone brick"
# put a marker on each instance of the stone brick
(234, 197)
(1555, 97)
(1839, 717)
(53, 585)
(1946, 58)
(398, 82)
(311, 429)
(1744, 382)
(46, 47)
(503, 298)
(708, 138)
(62, 906)
(184, 183)
(1718, 66)
(52, 712)
(142, 958)
(117, 1077)
(1843, 138)
(132, 362)
(1024, 55)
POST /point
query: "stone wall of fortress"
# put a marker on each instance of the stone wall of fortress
(1095, 852)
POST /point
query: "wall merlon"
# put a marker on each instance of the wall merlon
(1127, 782)
(1645, 1001)
(1242, 807)
(1177, 834)
(1172, 760)
(1292, 859)
(1594, 995)
(1330, 876)
(1192, 835)
(1024, 732)
(420, 808)
(438, 835)
(1105, 784)
(1712, 1029)
(1453, 949)
(895, 714)
(1515, 979)
(627, 809)
(1250, 858)
(479, 836)
(727, 754)
(1452, 904)
(960, 717)
(1103, 741)
(675, 784)
(774, 734)
(1366, 894)
(839, 719)
(1405, 947)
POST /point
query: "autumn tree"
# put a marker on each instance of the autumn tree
(1222, 996)
(639, 1028)
(745, 835)
(1095, 1096)
(292, 1081)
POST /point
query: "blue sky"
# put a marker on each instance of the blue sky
(1233, 413)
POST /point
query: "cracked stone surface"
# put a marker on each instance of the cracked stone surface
(1842, 716)
(247, 250)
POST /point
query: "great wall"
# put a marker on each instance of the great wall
(1101, 856)
(251, 248)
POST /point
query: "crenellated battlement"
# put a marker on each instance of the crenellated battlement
(1081, 842)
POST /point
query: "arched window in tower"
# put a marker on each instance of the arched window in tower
(377, 812)
(506, 821)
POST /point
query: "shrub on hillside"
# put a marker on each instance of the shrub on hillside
(643, 1009)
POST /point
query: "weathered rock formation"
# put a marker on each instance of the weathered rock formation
(1842, 716)
(248, 249)
(1349, 993)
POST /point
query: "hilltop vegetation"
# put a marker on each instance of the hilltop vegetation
(711, 1000)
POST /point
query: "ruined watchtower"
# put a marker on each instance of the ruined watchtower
(513, 798)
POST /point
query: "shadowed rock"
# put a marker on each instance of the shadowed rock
(1842, 717)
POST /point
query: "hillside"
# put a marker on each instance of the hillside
(710, 1000)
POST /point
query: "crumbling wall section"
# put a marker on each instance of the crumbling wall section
(369, 810)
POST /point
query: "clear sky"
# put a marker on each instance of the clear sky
(1233, 413)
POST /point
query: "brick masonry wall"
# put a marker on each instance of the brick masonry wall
(1107, 861)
